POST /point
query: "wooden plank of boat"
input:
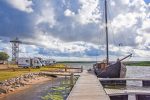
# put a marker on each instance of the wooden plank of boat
(88, 87)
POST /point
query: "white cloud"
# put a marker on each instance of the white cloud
(125, 2)
(5, 47)
(130, 24)
(68, 13)
(67, 26)
(123, 21)
(142, 53)
(46, 14)
(139, 39)
(23, 5)
(88, 12)
(144, 33)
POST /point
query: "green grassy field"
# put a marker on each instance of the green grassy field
(130, 63)
(10, 73)
(138, 63)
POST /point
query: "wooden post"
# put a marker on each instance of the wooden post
(29, 69)
(13, 69)
(7, 64)
(145, 83)
(81, 69)
(71, 80)
(65, 69)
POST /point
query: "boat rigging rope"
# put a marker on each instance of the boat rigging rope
(118, 39)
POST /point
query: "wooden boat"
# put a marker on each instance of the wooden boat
(114, 70)
(105, 69)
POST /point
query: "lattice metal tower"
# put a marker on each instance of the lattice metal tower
(15, 48)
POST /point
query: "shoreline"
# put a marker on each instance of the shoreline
(30, 83)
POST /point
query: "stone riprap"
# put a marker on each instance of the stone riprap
(14, 83)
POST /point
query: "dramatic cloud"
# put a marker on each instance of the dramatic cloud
(22, 5)
(88, 12)
(75, 28)
(68, 13)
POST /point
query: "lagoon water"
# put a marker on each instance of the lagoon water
(33, 93)
(39, 90)
(132, 71)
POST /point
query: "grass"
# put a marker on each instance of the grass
(138, 63)
(7, 74)
(52, 97)
(59, 92)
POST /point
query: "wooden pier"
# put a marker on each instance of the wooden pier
(60, 73)
(88, 87)
(123, 81)
(123, 91)
(115, 92)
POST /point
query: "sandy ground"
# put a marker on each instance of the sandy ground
(30, 84)
(6, 66)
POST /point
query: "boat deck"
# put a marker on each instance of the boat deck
(88, 87)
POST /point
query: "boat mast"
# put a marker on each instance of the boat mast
(106, 28)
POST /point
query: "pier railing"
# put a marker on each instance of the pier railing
(113, 88)
(123, 81)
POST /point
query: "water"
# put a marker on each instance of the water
(137, 72)
(58, 89)
(132, 71)
(33, 93)
(84, 65)
(40, 90)
(61, 91)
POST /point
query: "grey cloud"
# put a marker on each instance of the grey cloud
(15, 23)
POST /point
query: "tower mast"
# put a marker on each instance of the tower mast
(106, 28)
(15, 48)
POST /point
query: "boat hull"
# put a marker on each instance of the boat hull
(112, 71)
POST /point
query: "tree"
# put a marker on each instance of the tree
(3, 56)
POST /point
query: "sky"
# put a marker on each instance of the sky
(147, 1)
(75, 29)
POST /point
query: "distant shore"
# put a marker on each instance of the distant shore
(138, 63)
(128, 63)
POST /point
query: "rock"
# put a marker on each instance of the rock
(23, 83)
(11, 89)
(1, 93)
(3, 90)
(11, 84)
(17, 86)
(26, 80)
(7, 83)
